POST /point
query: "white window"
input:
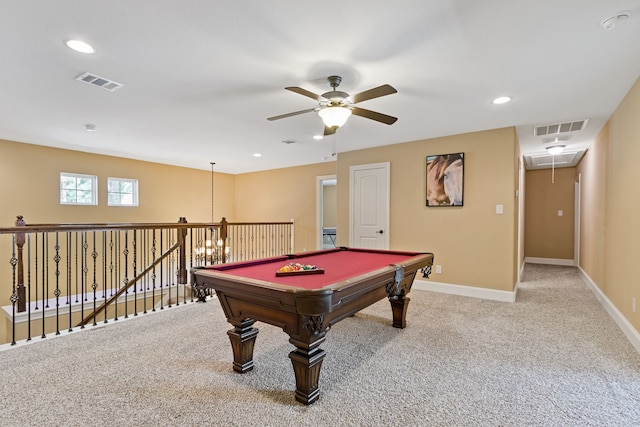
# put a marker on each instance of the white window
(78, 189)
(122, 192)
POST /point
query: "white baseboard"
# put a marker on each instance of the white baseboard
(465, 291)
(627, 328)
(550, 261)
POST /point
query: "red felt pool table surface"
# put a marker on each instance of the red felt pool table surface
(338, 265)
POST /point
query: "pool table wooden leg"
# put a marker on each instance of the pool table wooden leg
(307, 361)
(399, 305)
(243, 339)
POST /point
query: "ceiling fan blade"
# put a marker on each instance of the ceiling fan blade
(329, 131)
(295, 113)
(376, 92)
(379, 117)
(304, 92)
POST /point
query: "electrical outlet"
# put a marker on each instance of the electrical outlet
(438, 269)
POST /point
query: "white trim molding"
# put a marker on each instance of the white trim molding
(627, 328)
(465, 291)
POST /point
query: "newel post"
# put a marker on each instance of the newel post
(21, 291)
(223, 237)
(182, 239)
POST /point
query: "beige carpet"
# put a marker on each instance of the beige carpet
(553, 358)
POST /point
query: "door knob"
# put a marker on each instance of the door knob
(380, 231)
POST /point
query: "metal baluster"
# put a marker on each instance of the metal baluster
(117, 272)
(45, 278)
(191, 232)
(14, 291)
(111, 265)
(29, 287)
(35, 274)
(178, 252)
(83, 280)
(170, 265)
(271, 242)
(104, 273)
(69, 286)
(153, 274)
(81, 267)
(144, 284)
(134, 265)
(94, 285)
(161, 271)
(126, 273)
(57, 292)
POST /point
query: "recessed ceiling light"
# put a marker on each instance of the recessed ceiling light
(90, 127)
(80, 46)
(502, 100)
(318, 137)
(257, 155)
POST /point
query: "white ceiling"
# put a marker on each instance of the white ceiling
(200, 77)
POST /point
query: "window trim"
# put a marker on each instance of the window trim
(135, 193)
(94, 189)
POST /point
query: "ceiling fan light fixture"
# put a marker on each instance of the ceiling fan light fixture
(555, 149)
(334, 116)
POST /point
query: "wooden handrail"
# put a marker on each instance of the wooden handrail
(31, 228)
(130, 283)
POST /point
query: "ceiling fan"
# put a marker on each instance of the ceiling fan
(335, 106)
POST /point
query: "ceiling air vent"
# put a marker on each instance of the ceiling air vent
(560, 128)
(98, 81)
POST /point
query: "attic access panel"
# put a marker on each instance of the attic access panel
(545, 161)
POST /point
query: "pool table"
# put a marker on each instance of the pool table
(306, 305)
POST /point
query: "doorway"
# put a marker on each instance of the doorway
(326, 211)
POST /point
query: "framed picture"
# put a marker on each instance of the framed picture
(445, 180)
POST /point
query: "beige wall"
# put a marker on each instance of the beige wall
(329, 206)
(282, 195)
(31, 186)
(593, 202)
(473, 244)
(548, 235)
(520, 183)
(610, 206)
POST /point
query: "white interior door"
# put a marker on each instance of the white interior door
(369, 206)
